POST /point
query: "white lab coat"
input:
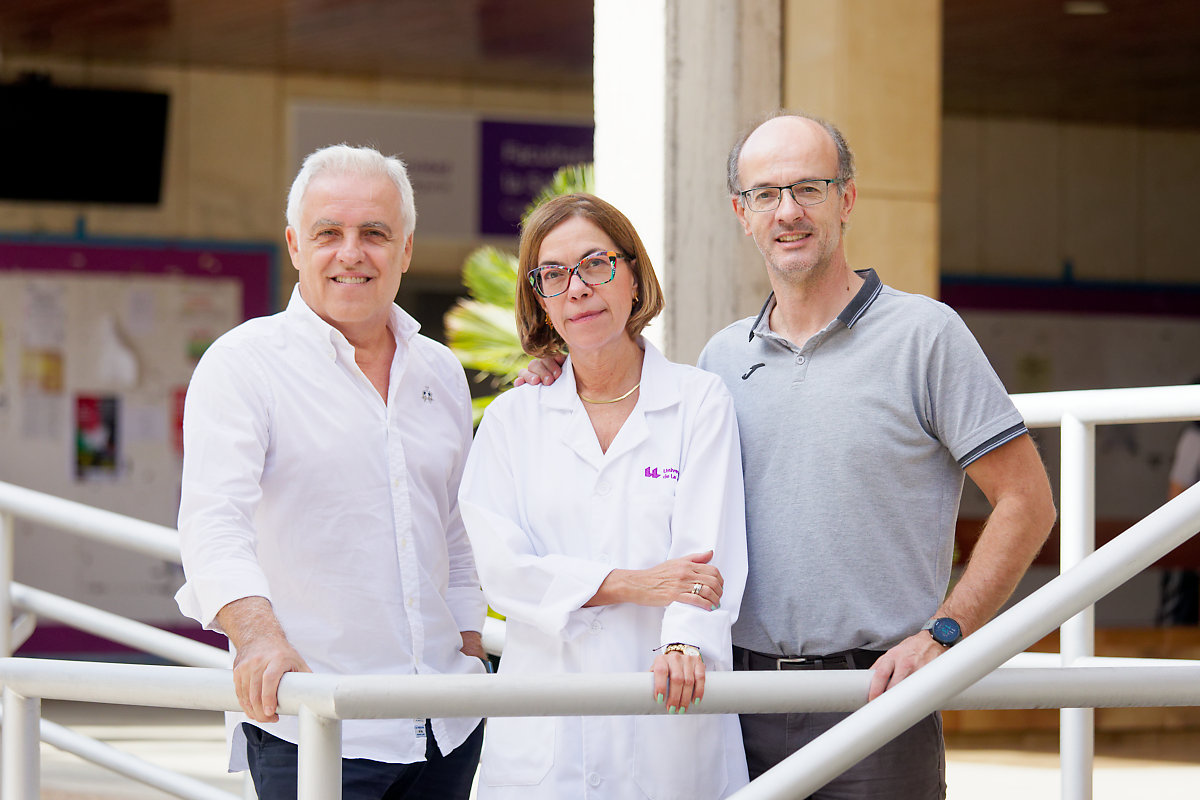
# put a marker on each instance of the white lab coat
(549, 516)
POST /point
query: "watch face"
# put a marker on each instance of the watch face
(945, 631)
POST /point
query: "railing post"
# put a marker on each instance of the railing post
(1077, 534)
(20, 747)
(320, 769)
(6, 577)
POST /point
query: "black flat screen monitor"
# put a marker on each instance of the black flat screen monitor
(81, 145)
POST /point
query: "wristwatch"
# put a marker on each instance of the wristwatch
(944, 630)
(685, 649)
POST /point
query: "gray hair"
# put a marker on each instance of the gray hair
(342, 159)
(845, 156)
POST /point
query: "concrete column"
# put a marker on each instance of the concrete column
(675, 83)
(875, 69)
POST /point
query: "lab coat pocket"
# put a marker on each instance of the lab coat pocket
(518, 751)
(680, 757)
(649, 539)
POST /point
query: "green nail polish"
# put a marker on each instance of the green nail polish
(671, 710)
(712, 608)
(683, 709)
(660, 697)
(696, 701)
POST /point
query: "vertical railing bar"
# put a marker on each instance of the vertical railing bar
(20, 747)
(7, 528)
(320, 769)
(1077, 497)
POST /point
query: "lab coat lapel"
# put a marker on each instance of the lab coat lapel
(571, 421)
(657, 392)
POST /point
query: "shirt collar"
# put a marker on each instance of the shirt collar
(401, 324)
(857, 306)
(656, 390)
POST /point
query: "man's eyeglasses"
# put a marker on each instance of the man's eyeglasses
(551, 280)
(804, 193)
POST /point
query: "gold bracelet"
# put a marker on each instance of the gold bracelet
(685, 649)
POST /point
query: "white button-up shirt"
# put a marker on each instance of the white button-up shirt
(301, 486)
(550, 515)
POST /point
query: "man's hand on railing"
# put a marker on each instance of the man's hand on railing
(473, 645)
(264, 655)
(901, 661)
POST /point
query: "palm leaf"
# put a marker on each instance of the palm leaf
(490, 276)
(567, 180)
(484, 337)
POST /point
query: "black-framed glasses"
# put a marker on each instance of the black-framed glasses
(805, 193)
(551, 280)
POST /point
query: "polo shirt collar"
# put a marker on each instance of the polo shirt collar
(857, 306)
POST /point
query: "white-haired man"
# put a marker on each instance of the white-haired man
(323, 448)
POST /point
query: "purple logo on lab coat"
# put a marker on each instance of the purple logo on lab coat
(667, 473)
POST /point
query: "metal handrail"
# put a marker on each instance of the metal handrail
(342, 697)
(1076, 412)
(979, 654)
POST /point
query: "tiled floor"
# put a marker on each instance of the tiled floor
(980, 767)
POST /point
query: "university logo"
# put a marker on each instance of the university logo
(667, 473)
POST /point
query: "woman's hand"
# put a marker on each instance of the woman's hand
(678, 680)
(689, 579)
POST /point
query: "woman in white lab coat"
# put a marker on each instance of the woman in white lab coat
(606, 514)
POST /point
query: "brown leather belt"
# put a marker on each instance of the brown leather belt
(847, 659)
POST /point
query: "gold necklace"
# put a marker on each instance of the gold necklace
(614, 400)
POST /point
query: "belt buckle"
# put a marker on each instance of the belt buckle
(800, 661)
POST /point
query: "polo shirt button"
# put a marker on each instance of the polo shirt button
(603, 488)
(800, 360)
(593, 780)
(596, 626)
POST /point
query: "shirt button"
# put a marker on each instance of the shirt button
(594, 780)
(603, 488)
(800, 360)
(596, 626)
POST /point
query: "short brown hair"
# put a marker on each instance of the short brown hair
(537, 336)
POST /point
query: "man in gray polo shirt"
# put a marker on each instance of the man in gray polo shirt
(860, 407)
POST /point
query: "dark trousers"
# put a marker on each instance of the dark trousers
(273, 766)
(910, 767)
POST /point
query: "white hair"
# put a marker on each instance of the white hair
(342, 159)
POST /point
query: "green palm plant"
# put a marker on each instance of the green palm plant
(481, 329)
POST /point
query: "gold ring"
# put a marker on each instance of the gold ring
(696, 587)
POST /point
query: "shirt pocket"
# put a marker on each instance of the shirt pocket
(680, 757)
(518, 751)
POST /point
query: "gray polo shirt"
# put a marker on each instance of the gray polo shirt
(853, 449)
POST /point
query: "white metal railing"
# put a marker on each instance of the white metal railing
(1077, 413)
(139, 536)
(322, 701)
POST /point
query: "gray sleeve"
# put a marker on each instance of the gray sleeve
(970, 410)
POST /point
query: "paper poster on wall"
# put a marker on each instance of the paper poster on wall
(42, 360)
(96, 437)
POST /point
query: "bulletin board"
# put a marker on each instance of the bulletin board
(97, 345)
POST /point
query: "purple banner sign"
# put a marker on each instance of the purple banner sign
(517, 160)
